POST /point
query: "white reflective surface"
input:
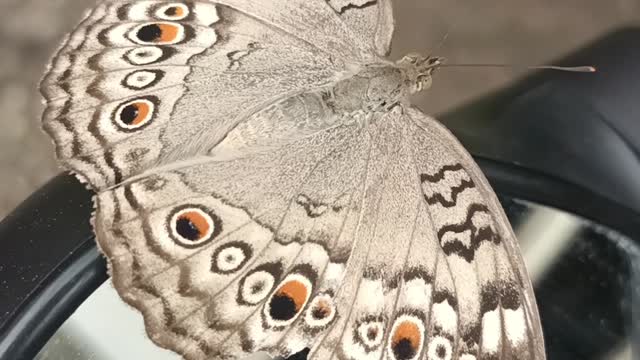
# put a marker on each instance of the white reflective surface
(105, 328)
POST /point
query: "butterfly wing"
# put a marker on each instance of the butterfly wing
(231, 257)
(239, 215)
(382, 242)
(444, 278)
(143, 83)
(371, 21)
(497, 315)
(497, 311)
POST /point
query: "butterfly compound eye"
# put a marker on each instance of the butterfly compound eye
(192, 227)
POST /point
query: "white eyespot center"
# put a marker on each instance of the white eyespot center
(144, 55)
(439, 349)
(140, 79)
(256, 287)
(371, 333)
(230, 258)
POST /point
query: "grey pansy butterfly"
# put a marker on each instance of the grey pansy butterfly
(263, 184)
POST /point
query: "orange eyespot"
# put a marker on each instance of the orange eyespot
(134, 114)
(321, 311)
(406, 340)
(287, 302)
(173, 11)
(296, 291)
(159, 33)
(169, 32)
(192, 227)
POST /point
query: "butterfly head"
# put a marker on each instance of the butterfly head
(419, 70)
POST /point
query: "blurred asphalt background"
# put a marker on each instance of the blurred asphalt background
(492, 31)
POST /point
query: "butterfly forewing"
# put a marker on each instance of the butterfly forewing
(133, 89)
(446, 282)
(246, 202)
(370, 22)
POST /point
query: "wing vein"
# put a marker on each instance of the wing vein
(364, 187)
(377, 208)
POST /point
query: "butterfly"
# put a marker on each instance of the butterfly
(264, 184)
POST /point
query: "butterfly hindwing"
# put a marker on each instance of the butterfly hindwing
(433, 277)
(496, 311)
(447, 282)
(258, 224)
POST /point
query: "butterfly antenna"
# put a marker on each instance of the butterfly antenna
(442, 41)
(580, 69)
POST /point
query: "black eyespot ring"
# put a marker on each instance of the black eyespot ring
(142, 79)
(135, 114)
(230, 257)
(172, 11)
(193, 226)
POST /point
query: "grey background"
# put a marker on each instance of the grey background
(493, 31)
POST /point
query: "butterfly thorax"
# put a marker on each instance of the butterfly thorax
(379, 87)
(373, 89)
